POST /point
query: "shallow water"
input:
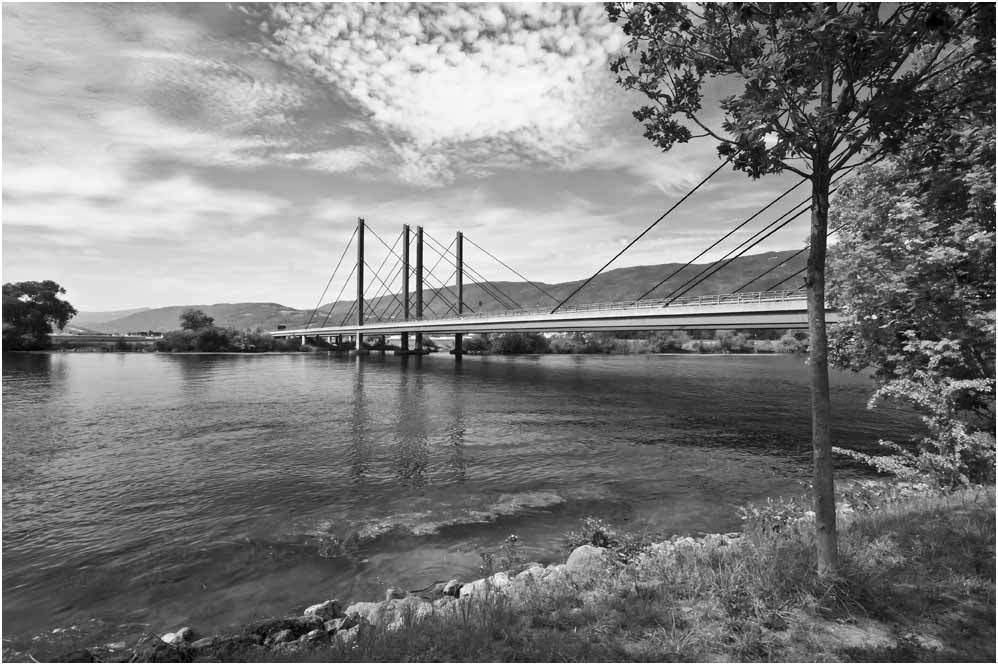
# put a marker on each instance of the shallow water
(214, 489)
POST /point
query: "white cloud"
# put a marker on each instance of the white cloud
(440, 78)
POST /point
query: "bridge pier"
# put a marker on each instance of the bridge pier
(360, 282)
(404, 342)
(419, 285)
(459, 271)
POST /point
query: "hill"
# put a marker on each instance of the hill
(613, 285)
(86, 319)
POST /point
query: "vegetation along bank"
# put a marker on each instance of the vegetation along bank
(917, 583)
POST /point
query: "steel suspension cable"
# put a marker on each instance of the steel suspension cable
(737, 252)
(642, 234)
(380, 297)
(378, 277)
(498, 260)
(338, 295)
(342, 256)
(723, 238)
(481, 278)
(746, 245)
(391, 251)
(785, 261)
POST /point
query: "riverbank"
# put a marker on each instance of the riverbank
(917, 583)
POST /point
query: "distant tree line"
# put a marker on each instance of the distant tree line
(198, 332)
(679, 341)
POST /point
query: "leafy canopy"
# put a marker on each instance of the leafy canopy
(30, 309)
(877, 60)
(913, 277)
(195, 319)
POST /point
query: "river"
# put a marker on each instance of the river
(214, 489)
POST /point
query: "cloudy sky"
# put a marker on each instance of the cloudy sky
(198, 153)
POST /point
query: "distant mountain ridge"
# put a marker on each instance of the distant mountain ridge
(611, 286)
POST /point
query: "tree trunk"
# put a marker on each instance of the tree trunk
(821, 409)
(826, 539)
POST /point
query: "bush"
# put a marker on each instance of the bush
(955, 452)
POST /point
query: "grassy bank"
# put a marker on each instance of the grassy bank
(917, 584)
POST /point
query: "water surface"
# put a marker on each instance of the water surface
(214, 489)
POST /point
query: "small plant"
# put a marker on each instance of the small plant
(626, 546)
(505, 557)
(775, 517)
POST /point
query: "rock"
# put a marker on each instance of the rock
(204, 643)
(78, 656)
(347, 638)
(532, 574)
(391, 614)
(333, 625)
(329, 609)
(280, 637)
(452, 588)
(114, 646)
(587, 560)
(497, 583)
(170, 638)
(394, 592)
(313, 636)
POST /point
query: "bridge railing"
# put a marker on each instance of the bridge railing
(722, 299)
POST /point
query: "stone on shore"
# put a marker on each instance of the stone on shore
(280, 637)
(587, 560)
(452, 588)
(391, 614)
(329, 609)
(481, 588)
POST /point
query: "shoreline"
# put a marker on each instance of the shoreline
(345, 628)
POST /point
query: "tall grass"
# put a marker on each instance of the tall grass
(917, 583)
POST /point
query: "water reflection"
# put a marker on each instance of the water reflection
(358, 454)
(411, 428)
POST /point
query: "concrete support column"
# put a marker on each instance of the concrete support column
(360, 279)
(459, 265)
(404, 343)
(419, 285)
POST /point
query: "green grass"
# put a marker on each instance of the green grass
(917, 583)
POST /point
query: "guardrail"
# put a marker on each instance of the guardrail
(722, 299)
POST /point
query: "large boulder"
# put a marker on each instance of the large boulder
(587, 560)
(391, 614)
(329, 609)
(483, 587)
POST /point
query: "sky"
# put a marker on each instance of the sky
(179, 154)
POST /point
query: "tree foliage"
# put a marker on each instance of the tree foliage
(913, 276)
(821, 84)
(30, 309)
(195, 319)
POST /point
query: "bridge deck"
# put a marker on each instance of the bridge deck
(766, 309)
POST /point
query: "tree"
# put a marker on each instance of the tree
(822, 84)
(195, 319)
(913, 277)
(30, 309)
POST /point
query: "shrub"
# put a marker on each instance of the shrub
(954, 453)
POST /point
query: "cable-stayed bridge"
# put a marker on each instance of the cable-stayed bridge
(391, 302)
(764, 309)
